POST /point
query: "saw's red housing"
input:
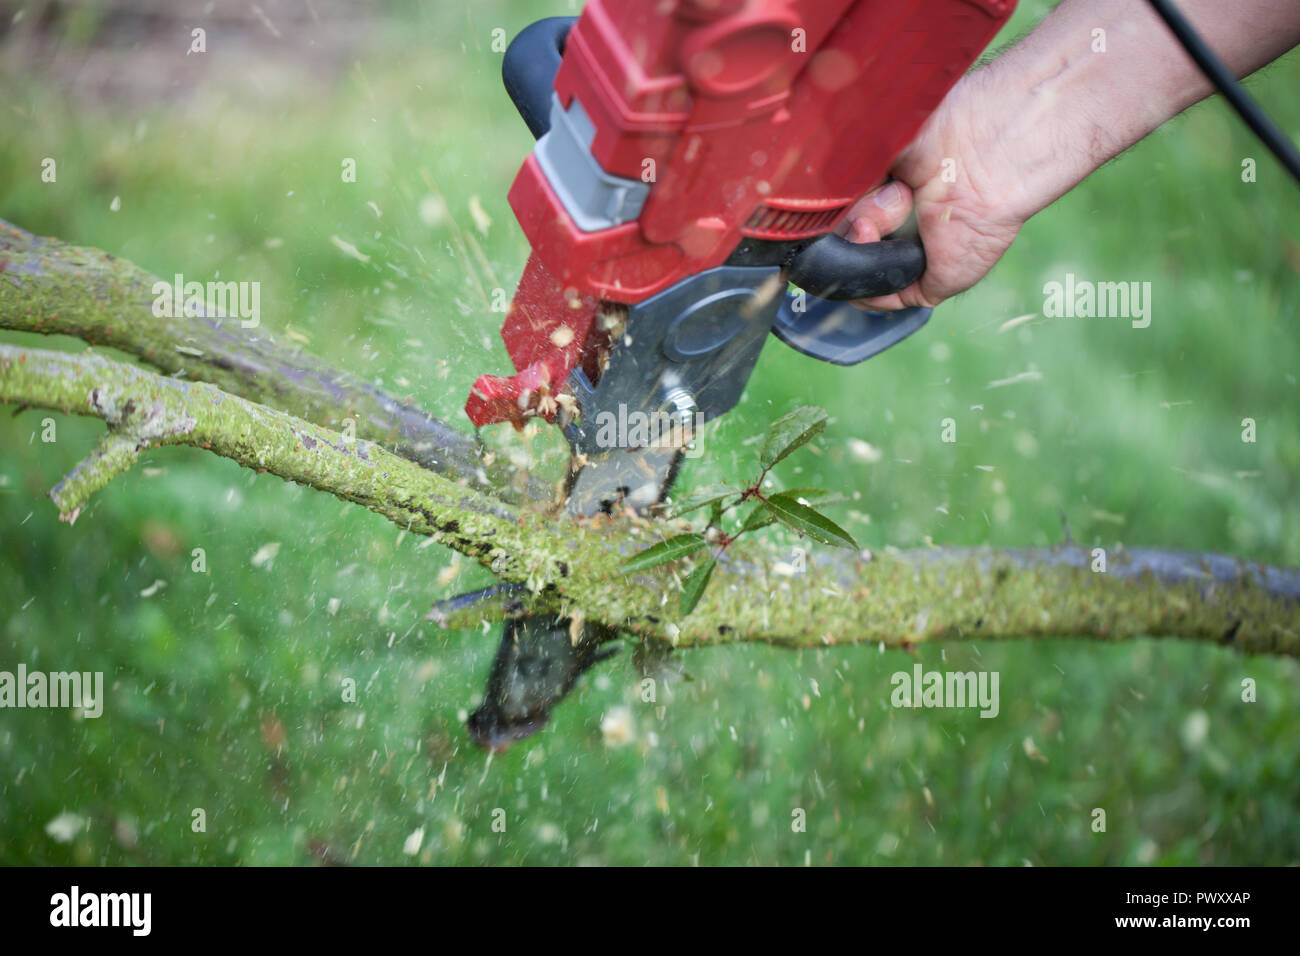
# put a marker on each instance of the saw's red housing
(749, 118)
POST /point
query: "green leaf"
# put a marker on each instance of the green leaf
(807, 521)
(678, 546)
(791, 431)
(694, 585)
(715, 512)
(702, 499)
(760, 517)
(816, 496)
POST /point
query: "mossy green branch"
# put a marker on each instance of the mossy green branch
(565, 562)
(569, 566)
(54, 288)
(132, 427)
(145, 409)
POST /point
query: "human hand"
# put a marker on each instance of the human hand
(1015, 135)
(966, 219)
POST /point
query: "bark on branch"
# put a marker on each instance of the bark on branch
(55, 288)
(569, 566)
(565, 566)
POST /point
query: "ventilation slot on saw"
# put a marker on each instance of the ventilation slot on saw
(794, 218)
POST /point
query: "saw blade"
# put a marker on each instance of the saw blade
(639, 477)
(676, 360)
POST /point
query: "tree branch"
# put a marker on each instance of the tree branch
(570, 567)
(131, 429)
(51, 287)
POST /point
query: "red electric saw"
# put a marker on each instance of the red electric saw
(693, 159)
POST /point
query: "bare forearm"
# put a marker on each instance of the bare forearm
(1068, 98)
(1090, 81)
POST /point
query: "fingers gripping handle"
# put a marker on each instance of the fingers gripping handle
(834, 268)
(821, 323)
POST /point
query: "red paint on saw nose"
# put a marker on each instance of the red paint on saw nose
(546, 334)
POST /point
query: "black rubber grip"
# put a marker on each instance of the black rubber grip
(529, 68)
(834, 268)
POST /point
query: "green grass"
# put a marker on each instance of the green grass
(225, 685)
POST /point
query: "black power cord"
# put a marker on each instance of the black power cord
(1222, 77)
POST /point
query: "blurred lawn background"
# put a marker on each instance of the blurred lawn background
(224, 686)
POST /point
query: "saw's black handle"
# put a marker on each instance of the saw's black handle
(821, 323)
(834, 268)
(529, 69)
